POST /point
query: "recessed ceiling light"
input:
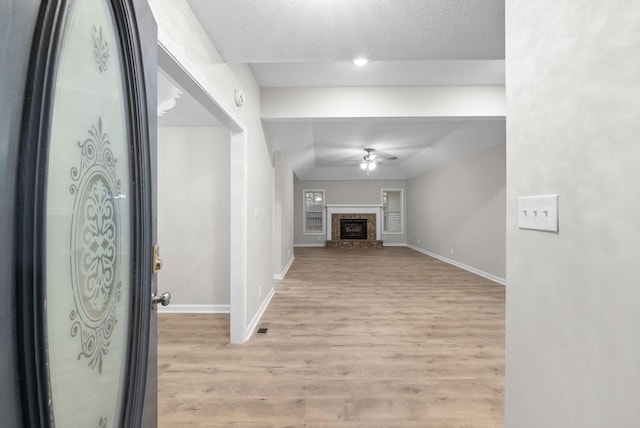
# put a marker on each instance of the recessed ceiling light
(360, 61)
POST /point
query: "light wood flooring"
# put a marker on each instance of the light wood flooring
(373, 338)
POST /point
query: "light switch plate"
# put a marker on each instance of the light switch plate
(538, 212)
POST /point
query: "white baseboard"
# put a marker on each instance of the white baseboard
(256, 319)
(471, 269)
(219, 309)
(386, 244)
(194, 309)
(278, 277)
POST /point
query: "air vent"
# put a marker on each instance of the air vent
(262, 330)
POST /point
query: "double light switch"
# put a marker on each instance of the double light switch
(538, 212)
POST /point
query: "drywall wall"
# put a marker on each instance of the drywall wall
(572, 342)
(182, 36)
(259, 199)
(432, 101)
(458, 212)
(282, 216)
(345, 192)
(193, 216)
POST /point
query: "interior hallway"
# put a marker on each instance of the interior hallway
(356, 337)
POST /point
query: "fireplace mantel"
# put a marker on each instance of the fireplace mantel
(355, 209)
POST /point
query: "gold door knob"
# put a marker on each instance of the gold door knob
(157, 265)
(157, 261)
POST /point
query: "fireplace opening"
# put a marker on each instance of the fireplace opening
(353, 228)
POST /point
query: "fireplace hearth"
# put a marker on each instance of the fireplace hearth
(353, 228)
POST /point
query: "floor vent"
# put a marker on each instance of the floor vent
(262, 330)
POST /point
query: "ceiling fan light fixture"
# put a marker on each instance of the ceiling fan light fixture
(369, 161)
(360, 62)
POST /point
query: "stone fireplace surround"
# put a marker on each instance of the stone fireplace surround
(369, 212)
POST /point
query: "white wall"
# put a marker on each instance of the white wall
(193, 217)
(181, 34)
(345, 192)
(283, 223)
(573, 298)
(260, 179)
(433, 101)
(458, 212)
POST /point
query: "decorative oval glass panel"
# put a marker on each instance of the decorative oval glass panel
(88, 222)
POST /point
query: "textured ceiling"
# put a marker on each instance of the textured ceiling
(310, 43)
(380, 73)
(271, 31)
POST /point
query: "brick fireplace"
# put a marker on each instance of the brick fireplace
(370, 213)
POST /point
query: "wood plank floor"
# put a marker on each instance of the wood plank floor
(356, 338)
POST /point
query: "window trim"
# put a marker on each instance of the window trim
(383, 231)
(304, 211)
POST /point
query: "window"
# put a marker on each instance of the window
(314, 211)
(392, 211)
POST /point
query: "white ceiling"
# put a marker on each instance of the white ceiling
(285, 31)
(310, 43)
(380, 73)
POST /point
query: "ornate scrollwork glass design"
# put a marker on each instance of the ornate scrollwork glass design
(94, 246)
(100, 49)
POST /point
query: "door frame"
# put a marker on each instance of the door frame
(148, 36)
(238, 330)
(17, 24)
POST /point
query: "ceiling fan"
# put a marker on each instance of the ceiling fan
(370, 161)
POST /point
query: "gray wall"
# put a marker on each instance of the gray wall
(573, 298)
(193, 215)
(345, 192)
(458, 212)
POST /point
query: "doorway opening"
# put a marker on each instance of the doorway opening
(201, 199)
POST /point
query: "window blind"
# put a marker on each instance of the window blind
(392, 204)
